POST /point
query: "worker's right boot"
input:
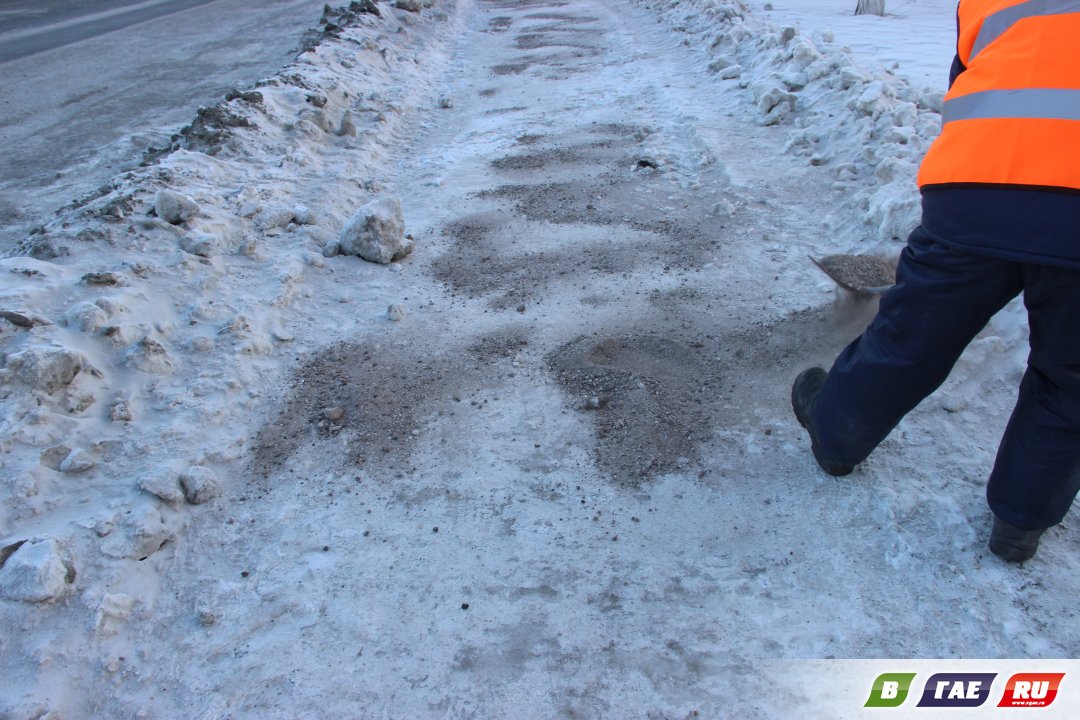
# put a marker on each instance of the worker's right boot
(1012, 544)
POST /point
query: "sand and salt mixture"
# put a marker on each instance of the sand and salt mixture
(861, 273)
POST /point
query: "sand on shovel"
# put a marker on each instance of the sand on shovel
(862, 274)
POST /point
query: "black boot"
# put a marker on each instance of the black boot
(804, 393)
(1013, 544)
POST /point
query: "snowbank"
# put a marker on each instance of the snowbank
(141, 324)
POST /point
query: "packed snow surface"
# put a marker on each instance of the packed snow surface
(537, 459)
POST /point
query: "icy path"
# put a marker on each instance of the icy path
(567, 483)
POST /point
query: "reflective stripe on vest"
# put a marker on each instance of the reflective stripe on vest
(1012, 117)
(1034, 103)
(996, 25)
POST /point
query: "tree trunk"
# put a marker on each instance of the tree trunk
(870, 7)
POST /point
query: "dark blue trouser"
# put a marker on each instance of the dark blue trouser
(942, 298)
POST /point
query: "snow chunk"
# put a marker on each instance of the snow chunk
(150, 356)
(316, 117)
(114, 610)
(725, 67)
(199, 243)
(412, 5)
(49, 368)
(77, 461)
(377, 232)
(164, 484)
(875, 99)
(200, 484)
(776, 104)
(851, 76)
(174, 208)
(803, 52)
(931, 99)
(36, 570)
(893, 169)
(302, 215)
(720, 63)
(121, 411)
(794, 81)
(895, 209)
(149, 533)
(86, 316)
(281, 216)
(730, 73)
(347, 126)
(905, 114)
(142, 534)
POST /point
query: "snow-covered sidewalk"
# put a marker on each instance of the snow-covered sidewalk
(560, 477)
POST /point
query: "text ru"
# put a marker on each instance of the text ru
(1031, 690)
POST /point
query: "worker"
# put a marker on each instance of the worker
(1000, 217)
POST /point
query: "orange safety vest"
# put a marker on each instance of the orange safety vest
(1013, 116)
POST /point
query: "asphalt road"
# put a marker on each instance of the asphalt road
(87, 85)
(21, 15)
(32, 27)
